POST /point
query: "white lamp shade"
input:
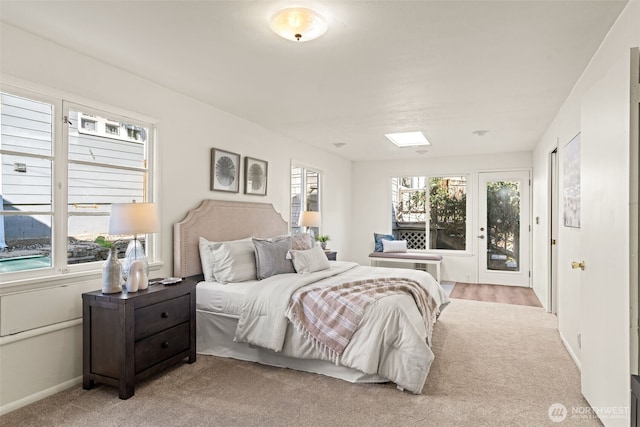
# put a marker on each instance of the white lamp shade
(133, 218)
(298, 24)
(310, 219)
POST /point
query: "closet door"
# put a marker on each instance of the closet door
(605, 242)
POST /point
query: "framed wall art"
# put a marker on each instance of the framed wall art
(255, 176)
(225, 171)
(571, 166)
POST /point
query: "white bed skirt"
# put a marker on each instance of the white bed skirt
(215, 332)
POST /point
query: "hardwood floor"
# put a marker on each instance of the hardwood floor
(496, 293)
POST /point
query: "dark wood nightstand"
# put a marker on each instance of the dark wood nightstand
(331, 256)
(129, 336)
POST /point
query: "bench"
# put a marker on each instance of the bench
(412, 257)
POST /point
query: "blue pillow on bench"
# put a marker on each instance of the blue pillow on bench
(378, 237)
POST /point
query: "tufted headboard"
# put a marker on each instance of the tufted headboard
(219, 220)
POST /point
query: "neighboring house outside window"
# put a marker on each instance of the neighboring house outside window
(56, 188)
(430, 212)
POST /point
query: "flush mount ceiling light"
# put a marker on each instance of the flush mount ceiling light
(407, 139)
(298, 24)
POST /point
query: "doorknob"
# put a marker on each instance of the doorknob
(576, 265)
(481, 236)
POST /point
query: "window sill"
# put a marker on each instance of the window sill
(64, 279)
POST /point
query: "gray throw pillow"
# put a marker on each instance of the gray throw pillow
(271, 257)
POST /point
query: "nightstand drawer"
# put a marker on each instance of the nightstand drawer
(161, 346)
(158, 317)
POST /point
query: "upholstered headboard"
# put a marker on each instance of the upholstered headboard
(218, 221)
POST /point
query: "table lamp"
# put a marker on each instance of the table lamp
(134, 218)
(310, 219)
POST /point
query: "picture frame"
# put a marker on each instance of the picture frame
(255, 176)
(225, 171)
(571, 183)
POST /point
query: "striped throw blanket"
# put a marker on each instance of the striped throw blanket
(330, 315)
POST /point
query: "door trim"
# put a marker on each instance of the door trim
(634, 194)
(553, 215)
(524, 277)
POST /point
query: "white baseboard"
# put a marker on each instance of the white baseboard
(4, 409)
(570, 350)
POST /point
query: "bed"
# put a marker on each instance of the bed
(256, 320)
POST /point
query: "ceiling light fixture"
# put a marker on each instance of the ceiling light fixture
(298, 24)
(480, 132)
(339, 144)
(407, 139)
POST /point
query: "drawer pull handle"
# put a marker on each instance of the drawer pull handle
(165, 344)
(164, 315)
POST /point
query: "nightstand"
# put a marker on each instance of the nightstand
(331, 256)
(130, 336)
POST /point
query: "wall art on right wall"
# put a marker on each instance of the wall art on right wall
(571, 182)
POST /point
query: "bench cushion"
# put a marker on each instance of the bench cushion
(406, 255)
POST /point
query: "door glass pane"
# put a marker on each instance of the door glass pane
(503, 225)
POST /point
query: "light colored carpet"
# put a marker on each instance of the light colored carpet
(496, 365)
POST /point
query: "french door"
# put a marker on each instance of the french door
(504, 228)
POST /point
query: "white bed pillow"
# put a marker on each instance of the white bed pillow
(394, 245)
(310, 260)
(224, 262)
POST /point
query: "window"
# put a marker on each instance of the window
(305, 195)
(64, 227)
(442, 211)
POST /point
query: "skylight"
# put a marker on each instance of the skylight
(407, 139)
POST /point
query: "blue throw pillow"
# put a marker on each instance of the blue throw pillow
(378, 239)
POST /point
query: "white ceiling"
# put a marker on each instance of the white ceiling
(448, 68)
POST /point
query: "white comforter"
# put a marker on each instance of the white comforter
(391, 340)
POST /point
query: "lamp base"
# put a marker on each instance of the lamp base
(137, 278)
(135, 252)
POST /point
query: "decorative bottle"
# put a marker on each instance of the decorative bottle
(112, 273)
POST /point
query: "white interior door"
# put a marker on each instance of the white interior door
(605, 225)
(504, 228)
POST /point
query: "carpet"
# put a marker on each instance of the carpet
(495, 365)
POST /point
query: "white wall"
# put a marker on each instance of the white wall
(187, 130)
(605, 195)
(371, 205)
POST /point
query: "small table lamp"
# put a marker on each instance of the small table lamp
(310, 219)
(134, 218)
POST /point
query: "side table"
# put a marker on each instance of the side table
(129, 336)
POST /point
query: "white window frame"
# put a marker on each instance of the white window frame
(60, 271)
(305, 168)
(469, 210)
